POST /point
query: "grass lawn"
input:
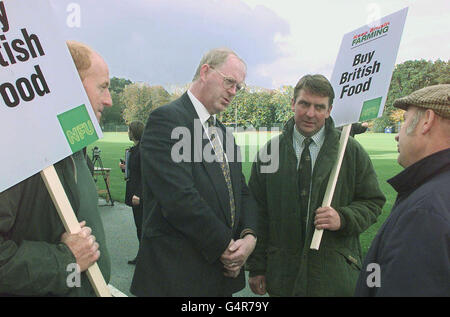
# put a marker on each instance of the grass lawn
(382, 149)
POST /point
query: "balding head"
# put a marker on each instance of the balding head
(81, 55)
(94, 75)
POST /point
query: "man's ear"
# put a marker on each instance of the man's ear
(293, 104)
(203, 71)
(329, 110)
(429, 120)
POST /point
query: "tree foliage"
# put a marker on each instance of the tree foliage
(259, 107)
(140, 99)
(406, 78)
(114, 114)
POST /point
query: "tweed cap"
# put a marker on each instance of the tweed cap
(435, 97)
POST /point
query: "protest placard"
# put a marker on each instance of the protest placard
(363, 69)
(361, 79)
(45, 114)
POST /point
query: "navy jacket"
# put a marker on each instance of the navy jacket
(412, 248)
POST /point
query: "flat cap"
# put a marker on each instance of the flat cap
(435, 97)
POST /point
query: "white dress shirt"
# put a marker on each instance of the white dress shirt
(203, 115)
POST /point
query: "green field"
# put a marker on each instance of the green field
(382, 149)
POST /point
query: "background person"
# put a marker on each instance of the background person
(199, 220)
(133, 191)
(35, 251)
(412, 248)
(357, 128)
(289, 203)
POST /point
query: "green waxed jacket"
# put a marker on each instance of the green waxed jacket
(33, 261)
(291, 268)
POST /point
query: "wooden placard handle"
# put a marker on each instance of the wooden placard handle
(317, 237)
(71, 224)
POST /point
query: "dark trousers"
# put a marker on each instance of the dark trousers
(137, 214)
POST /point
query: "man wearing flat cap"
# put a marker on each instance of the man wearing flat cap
(410, 255)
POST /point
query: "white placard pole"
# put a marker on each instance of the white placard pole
(317, 237)
(71, 224)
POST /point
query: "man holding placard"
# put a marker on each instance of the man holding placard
(289, 202)
(410, 254)
(36, 257)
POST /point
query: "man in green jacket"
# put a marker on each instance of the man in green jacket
(290, 199)
(36, 257)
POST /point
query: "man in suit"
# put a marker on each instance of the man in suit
(199, 218)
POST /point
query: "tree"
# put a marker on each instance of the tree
(408, 77)
(282, 101)
(118, 84)
(259, 107)
(113, 115)
(140, 99)
(396, 115)
(160, 96)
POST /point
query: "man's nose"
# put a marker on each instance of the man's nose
(107, 102)
(311, 112)
(233, 90)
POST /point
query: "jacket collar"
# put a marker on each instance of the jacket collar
(200, 108)
(418, 173)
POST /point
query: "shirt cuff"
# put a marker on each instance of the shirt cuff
(246, 232)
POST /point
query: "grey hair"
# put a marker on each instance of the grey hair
(215, 58)
(415, 120)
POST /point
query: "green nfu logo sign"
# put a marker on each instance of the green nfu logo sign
(78, 128)
(370, 109)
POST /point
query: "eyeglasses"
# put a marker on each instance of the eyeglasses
(229, 82)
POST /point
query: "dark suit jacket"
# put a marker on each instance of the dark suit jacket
(187, 222)
(134, 183)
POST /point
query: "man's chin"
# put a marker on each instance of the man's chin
(307, 130)
(222, 107)
(399, 161)
(226, 104)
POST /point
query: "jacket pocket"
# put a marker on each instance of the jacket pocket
(347, 272)
(333, 271)
(352, 260)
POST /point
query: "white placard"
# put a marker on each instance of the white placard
(38, 83)
(364, 67)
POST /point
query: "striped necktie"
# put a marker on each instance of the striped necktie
(223, 164)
